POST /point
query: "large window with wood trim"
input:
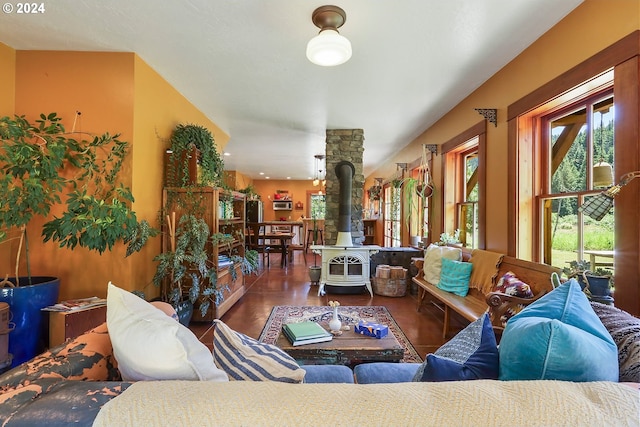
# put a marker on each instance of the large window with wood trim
(467, 205)
(465, 171)
(578, 143)
(392, 213)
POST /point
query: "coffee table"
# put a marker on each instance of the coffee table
(347, 349)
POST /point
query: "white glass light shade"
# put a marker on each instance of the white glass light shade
(602, 174)
(329, 48)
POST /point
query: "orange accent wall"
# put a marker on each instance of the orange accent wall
(158, 108)
(298, 191)
(590, 28)
(7, 80)
(118, 93)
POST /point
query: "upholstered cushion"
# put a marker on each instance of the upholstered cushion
(149, 345)
(244, 358)
(454, 277)
(433, 261)
(471, 355)
(509, 284)
(88, 357)
(625, 331)
(558, 337)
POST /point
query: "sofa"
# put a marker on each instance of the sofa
(80, 383)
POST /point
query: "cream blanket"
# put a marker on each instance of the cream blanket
(469, 403)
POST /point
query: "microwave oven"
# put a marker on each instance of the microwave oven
(282, 205)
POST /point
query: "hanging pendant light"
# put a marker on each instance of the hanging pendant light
(602, 171)
(602, 174)
(329, 48)
(318, 176)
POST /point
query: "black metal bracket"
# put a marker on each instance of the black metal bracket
(490, 114)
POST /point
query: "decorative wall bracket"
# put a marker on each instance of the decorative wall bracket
(490, 114)
(433, 148)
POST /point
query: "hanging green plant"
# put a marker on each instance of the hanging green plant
(185, 140)
(374, 192)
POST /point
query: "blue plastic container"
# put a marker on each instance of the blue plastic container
(31, 333)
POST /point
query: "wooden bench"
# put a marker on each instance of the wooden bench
(475, 304)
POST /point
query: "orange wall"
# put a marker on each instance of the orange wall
(100, 86)
(118, 93)
(7, 80)
(158, 108)
(593, 26)
(266, 188)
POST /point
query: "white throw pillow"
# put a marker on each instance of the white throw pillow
(149, 345)
(433, 261)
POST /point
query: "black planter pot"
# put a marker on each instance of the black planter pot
(30, 335)
(184, 309)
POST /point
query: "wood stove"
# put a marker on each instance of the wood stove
(345, 266)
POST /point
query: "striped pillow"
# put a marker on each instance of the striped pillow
(245, 359)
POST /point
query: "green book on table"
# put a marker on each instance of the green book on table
(305, 333)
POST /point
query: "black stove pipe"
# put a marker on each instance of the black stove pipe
(345, 172)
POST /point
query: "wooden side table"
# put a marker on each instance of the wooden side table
(70, 324)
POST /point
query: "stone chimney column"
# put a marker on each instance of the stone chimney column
(347, 145)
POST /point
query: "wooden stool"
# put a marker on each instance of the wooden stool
(309, 238)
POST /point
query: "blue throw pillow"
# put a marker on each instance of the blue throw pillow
(558, 337)
(471, 355)
(455, 276)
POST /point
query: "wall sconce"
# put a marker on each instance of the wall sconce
(598, 206)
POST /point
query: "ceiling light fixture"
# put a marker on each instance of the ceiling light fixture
(329, 48)
(318, 176)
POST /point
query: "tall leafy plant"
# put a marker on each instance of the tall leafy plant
(41, 164)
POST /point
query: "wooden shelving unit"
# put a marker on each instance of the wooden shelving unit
(224, 213)
(369, 228)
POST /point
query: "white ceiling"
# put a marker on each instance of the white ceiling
(243, 64)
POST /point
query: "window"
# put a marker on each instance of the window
(416, 204)
(465, 178)
(467, 205)
(318, 206)
(575, 140)
(392, 215)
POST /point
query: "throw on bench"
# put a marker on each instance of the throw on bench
(488, 268)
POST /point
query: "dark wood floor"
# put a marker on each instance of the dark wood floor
(277, 286)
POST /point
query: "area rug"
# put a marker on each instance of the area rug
(349, 315)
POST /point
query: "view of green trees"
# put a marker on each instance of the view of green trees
(571, 177)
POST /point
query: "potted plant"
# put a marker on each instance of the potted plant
(250, 192)
(315, 271)
(194, 143)
(40, 165)
(596, 284)
(449, 238)
(186, 274)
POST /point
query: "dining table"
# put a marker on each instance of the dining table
(285, 239)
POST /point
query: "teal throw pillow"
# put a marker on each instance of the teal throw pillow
(558, 337)
(471, 355)
(455, 276)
